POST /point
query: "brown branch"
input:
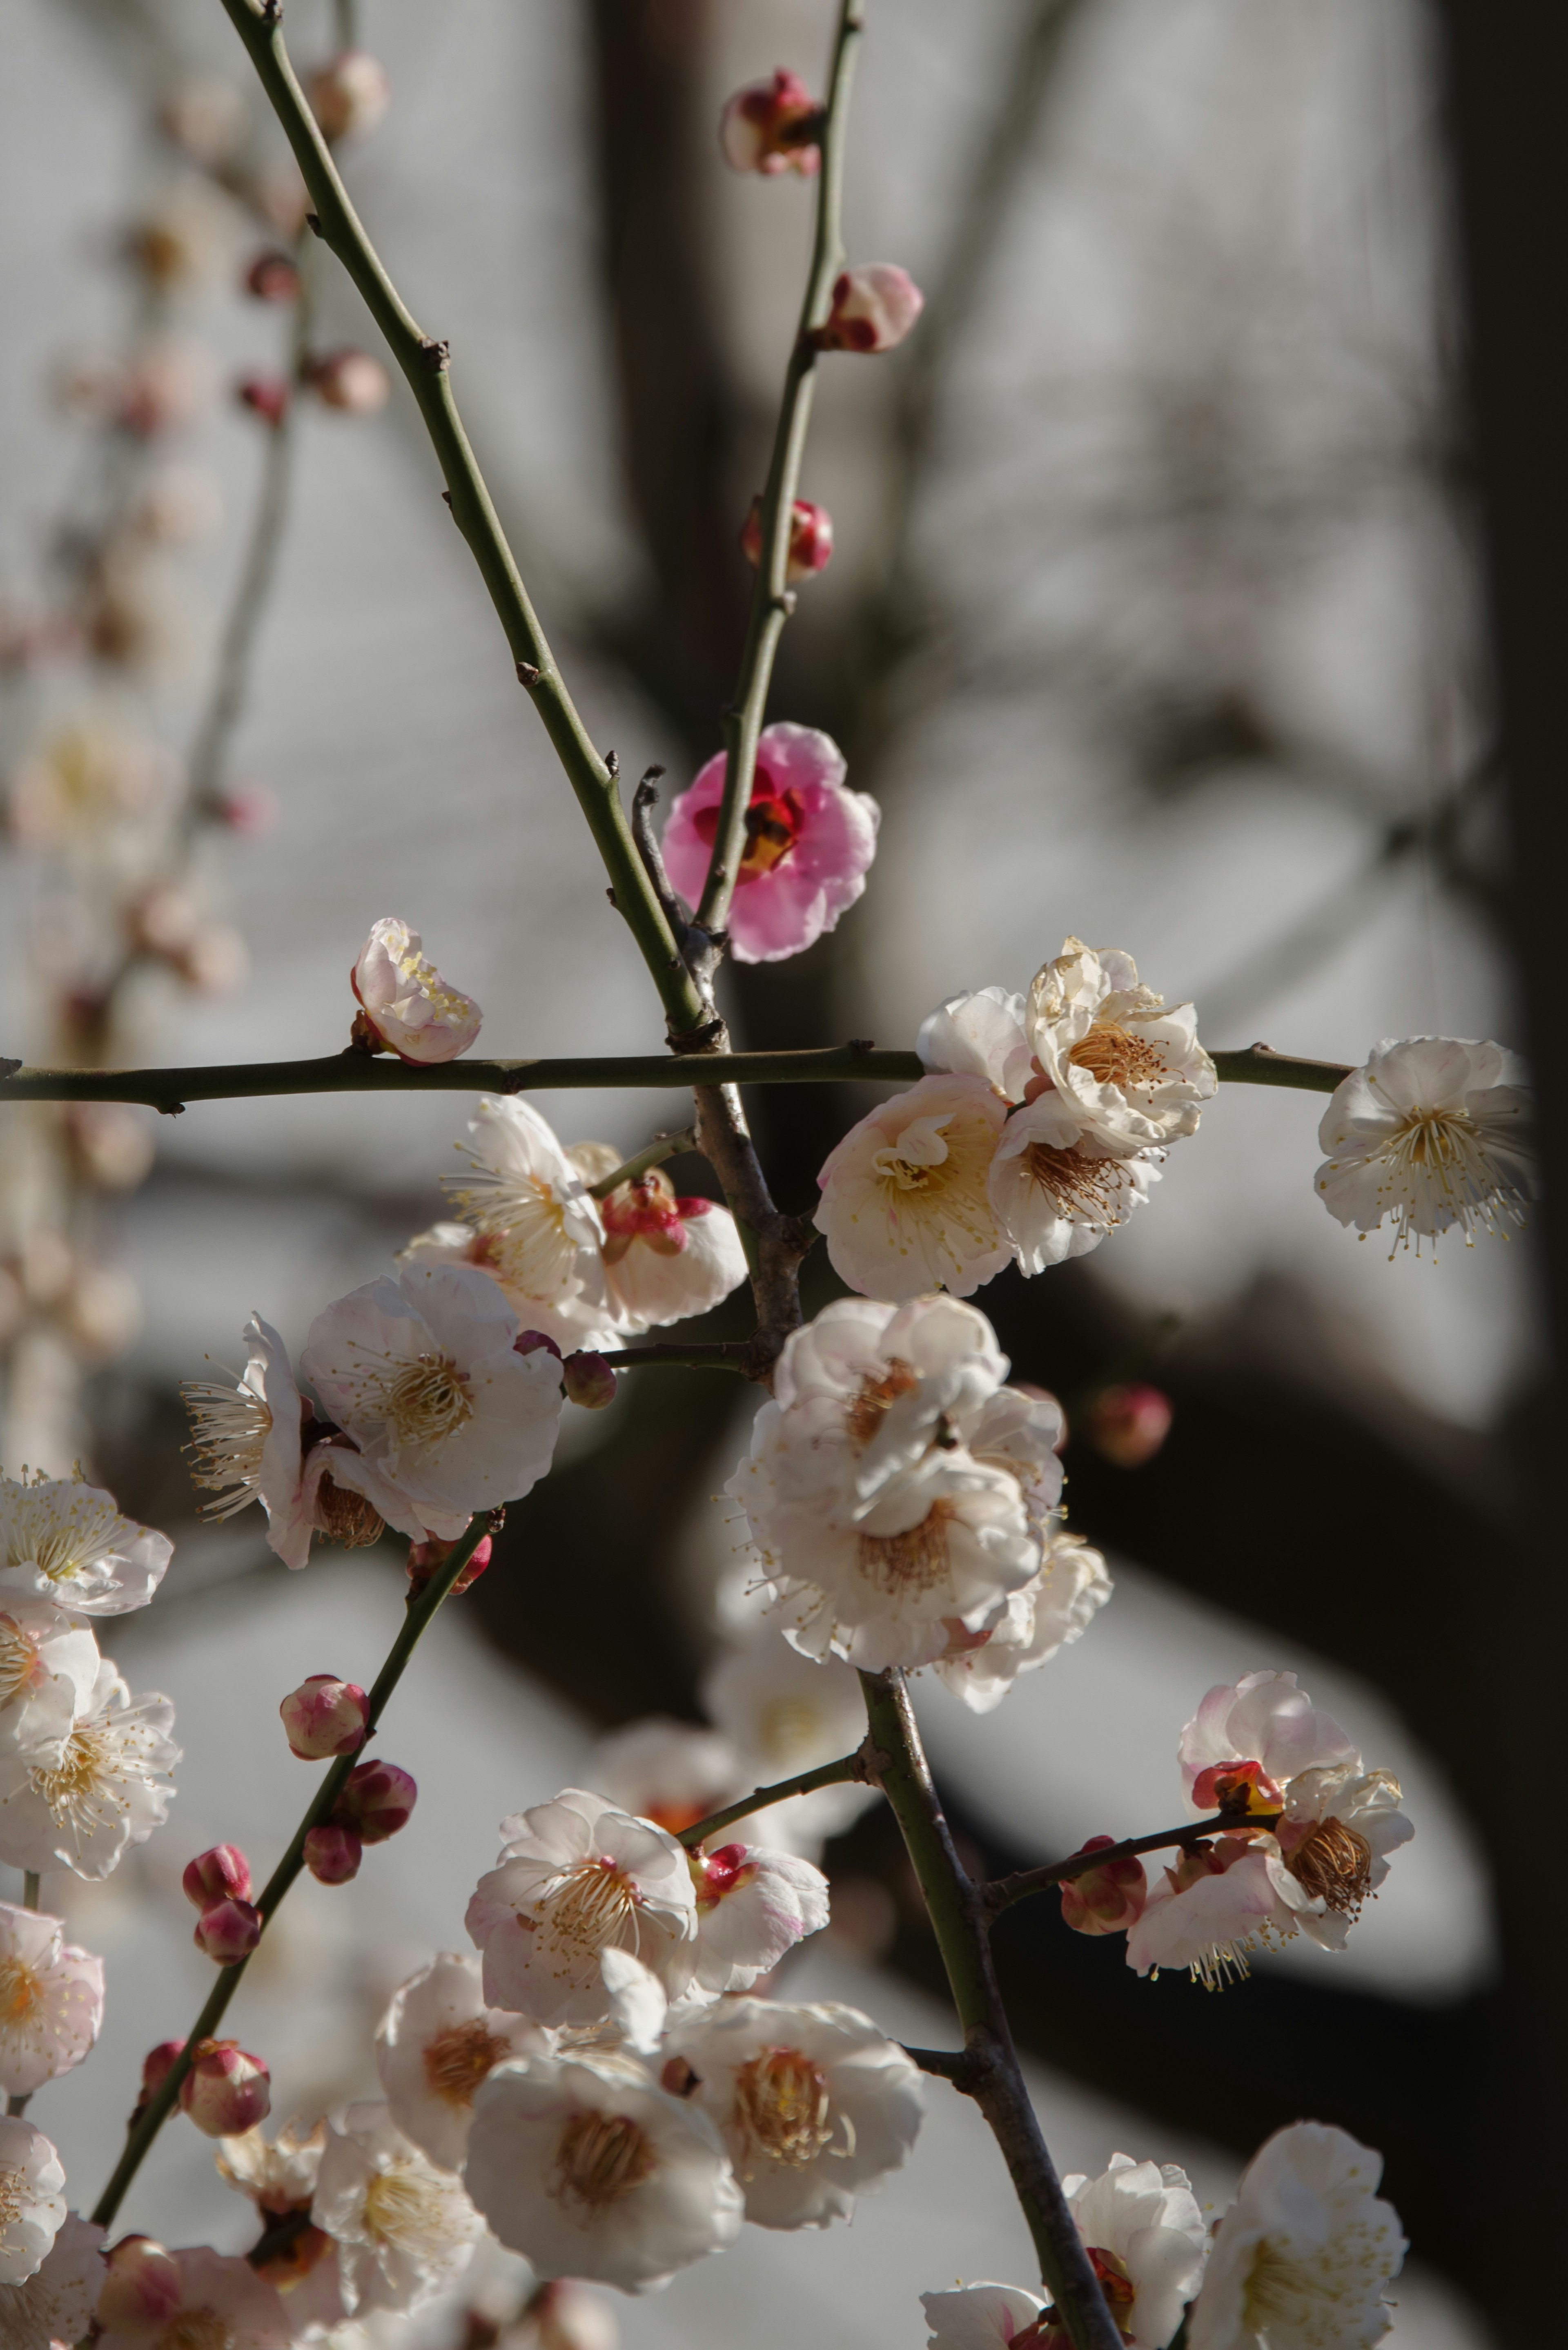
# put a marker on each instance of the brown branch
(1004, 1891)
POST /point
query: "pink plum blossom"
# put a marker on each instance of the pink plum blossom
(57, 2303)
(33, 2206)
(753, 1906)
(151, 2297)
(51, 2000)
(874, 308)
(769, 127)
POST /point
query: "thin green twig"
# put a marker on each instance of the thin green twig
(846, 1770)
(662, 1147)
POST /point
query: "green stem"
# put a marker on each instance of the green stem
(663, 1147)
(425, 362)
(1005, 1891)
(421, 1607)
(846, 1769)
(733, 1355)
(1258, 1065)
(772, 602)
(992, 2075)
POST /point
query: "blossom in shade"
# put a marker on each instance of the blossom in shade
(279, 2177)
(434, 2045)
(57, 2303)
(1104, 1900)
(349, 95)
(529, 1223)
(1434, 1132)
(666, 1257)
(325, 1717)
(1220, 1903)
(672, 1772)
(752, 1905)
(874, 306)
(51, 2000)
(1055, 1188)
(982, 2316)
(49, 1667)
(896, 1493)
(772, 127)
(814, 2104)
(422, 1372)
(226, 2091)
(1130, 1065)
(269, 396)
(245, 1443)
(32, 2205)
(1302, 2258)
(407, 1007)
(403, 2228)
(809, 843)
(906, 1204)
(810, 538)
(63, 1539)
(158, 2300)
(357, 384)
(1129, 1424)
(1048, 1615)
(588, 2168)
(103, 1789)
(784, 1713)
(577, 1876)
(588, 1381)
(1146, 2238)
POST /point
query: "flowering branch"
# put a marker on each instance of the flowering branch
(772, 602)
(993, 2078)
(849, 1770)
(424, 361)
(421, 1607)
(1005, 1891)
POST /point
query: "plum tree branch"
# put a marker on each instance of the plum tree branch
(1004, 1891)
(849, 1770)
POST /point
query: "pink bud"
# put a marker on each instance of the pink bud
(142, 2290)
(1129, 1424)
(324, 1716)
(1104, 1900)
(272, 278)
(332, 1855)
(228, 1931)
(267, 396)
(251, 811)
(810, 538)
(225, 2092)
(156, 2065)
(772, 127)
(222, 1873)
(532, 1342)
(375, 1801)
(874, 308)
(426, 1556)
(350, 95)
(351, 381)
(588, 1380)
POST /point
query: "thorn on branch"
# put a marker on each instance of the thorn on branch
(612, 762)
(436, 355)
(862, 1043)
(446, 501)
(170, 1109)
(526, 673)
(272, 14)
(610, 895)
(9, 1068)
(312, 219)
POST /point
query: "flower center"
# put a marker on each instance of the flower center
(600, 2158)
(1116, 1057)
(915, 1164)
(230, 1426)
(19, 1667)
(646, 1209)
(783, 2106)
(198, 2329)
(409, 2211)
(912, 1562)
(59, 1538)
(12, 2178)
(588, 1904)
(73, 1787)
(21, 1991)
(1115, 2282)
(870, 1407)
(345, 1516)
(1441, 1152)
(457, 2061)
(1334, 1864)
(773, 821)
(1078, 1186)
(422, 1402)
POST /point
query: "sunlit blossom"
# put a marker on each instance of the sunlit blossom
(1130, 1065)
(64, 1540)
(403, 2228)
(434, 2045)
(408, 1008)
(752, 1905)
(51, 2000)
(906, 1200)
(1303, 2257)
(104, 1788)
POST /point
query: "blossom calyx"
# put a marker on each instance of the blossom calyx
(378, 1799)
(773, 126)
(1104, 1900)
(222, 1873)
(349, 95)
(588, 1380)
(325, 1717)
(1244, 1788)
(408, 1008)
(228, 1931)
(810, 538)
(225, 2092)
(332, 1855)
(874, 308)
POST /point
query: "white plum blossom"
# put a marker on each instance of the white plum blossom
(403, 2228)
(32, 2204)
(1048, 1615)
(752, 1905)
(434, 2045)
(588, 2168)
(422, 1372)
(191, 2300)
(408, 1008)
(103, 1789)
(672, 1772)
(666, 1257)
(64, 1540)
(246, 1435)
(982, 2316)
(814, 2104)
(51, 2000)
(1146, 2238)
(896, 1495)
(1056, 1189)
(1264, 1719)
(1436, 1131)
(905, 1205)
(57, 2303)
(1303, 2256)
(528, 1220)
(784, 1713)
(1130, 1064)
(577, 1876)
(981, 1035)
(1220, 1902)
(48, 1666)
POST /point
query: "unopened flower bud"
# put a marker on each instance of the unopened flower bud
(874, 308)
(376, 1800)
(332, 1855)
(325, 1717)
(350, 95)
(156, 2064)
(426, 1556)
(228, 1931)
(223, 1874)
(1244, 1788)
(143, 2289)
(272, 278)
(564, 2315)
(225, 2092)
(588, 1380)
(349, 381)
(810, 538)
(534, 1342)
(1127, 1425)
(772, 126)
(1104, 1900)
(267, 396)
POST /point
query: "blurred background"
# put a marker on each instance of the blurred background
(1152, 617)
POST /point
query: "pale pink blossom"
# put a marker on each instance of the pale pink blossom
(32, 2204)
(1052, 1611)
(49, 1667)
(408, 1007)
(434, 2045)
(64, 1540)
(247, 1447)
(404, 2229)
(325, 1717)
(530, 1223)
(875, 305)
(349, 95)
(771, 126)
(982, 2316)
(51, 2000)
(981, 1035)
(1222, 1901)
(357, 384)
(1108, 1899)
(1056, 1189)
(666, 1257)
(752, 1905)
(809, 843)
(158, 2300)
(672, 1772)
(279, 2176)
(83, 1803)
(1303, 2257)
(1146, 2240)
(1265, 1719)
(1130, 1065)
(906, 1205)
(204, 116)
(810, 539)
(54, 2309)
(1435, 1132)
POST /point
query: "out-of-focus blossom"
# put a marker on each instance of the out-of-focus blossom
(874, 306)
(814, 2104)
(279, 2176)
(357, 384)
(228, 1931)
(435, 2044)
(82, 1803)
(250, 811)
(176, 505)
(1129, 1064)
(205, 116)
(152, 2298)
(88, 773)
(810, 538)
(1146, 2239)
(272, 277)
(752, 1905)
(1056, 1191)
(378, 1799)
(325, 1717)
(161, 388)
(64, 1540)
(586, 2167)
(333, 1855)
(564, 2315)
(408, 1006)
(784, 1713)
(906, 1205)
(530, 1224)
(577, 1876)
(588, 1381)
(57, 2302)
(33, 2209)
(349, 95)
(222, 1873)
(809, 843)
(51, 2000)
(1104, 1900)
(267, 396)
(157, 2066)
(174, 244)
(1129, 1424)
(114, 1152)
(666, 1257)
(1048, 1615)
(226, 2091)
(672, 1772)
(982, 2316)
(1434, 1132)
(48, 1669)
(404, 2229)
(772, 126)
(1303, 2256)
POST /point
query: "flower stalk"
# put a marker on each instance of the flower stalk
(1005, 1891)
(849, 1770)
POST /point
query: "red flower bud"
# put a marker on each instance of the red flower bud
(810, 538)
(223, 1874)
(1127, 1425)
(588, 1380)
(272, 278)
(874, 308)
(375, 1801)
(156, 2063)
(426, 1556)
(772, 127)
(267, 396)
(332, 1855)
(1104, 1900)
(531, 1342)
(324, 1716)
(225, 2092)
(228, 1931)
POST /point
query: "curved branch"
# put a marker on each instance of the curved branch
(849, 1770)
